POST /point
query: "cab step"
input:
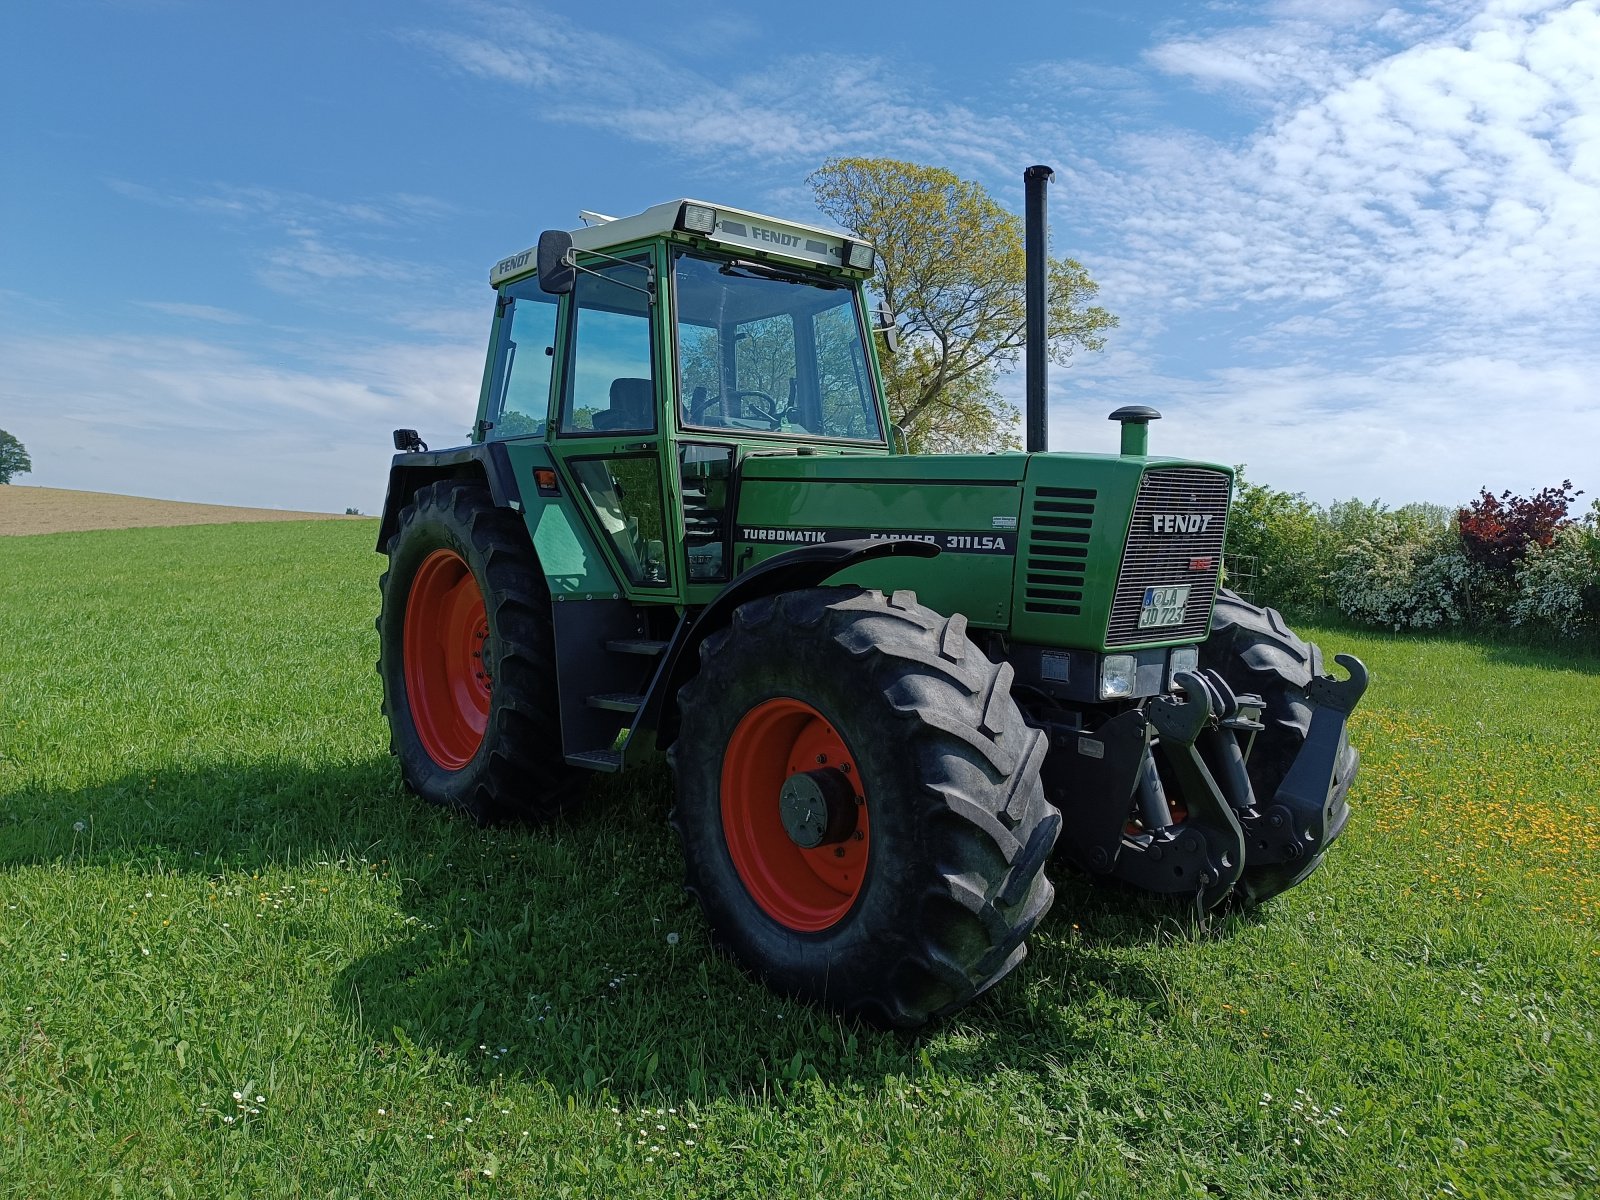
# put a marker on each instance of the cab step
(641, 646)
(622, 702)
(597, 760)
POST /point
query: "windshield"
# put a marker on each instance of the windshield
(766, 351)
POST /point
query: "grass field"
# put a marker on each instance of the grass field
(236, 960)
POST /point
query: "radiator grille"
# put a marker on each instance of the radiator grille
(1161, 558)
(1061, 523)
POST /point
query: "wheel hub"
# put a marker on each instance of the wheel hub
(818, 807)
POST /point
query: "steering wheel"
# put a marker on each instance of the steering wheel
(771, 413)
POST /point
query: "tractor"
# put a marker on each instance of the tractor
(894, 689)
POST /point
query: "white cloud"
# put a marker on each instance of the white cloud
(320, 242)
(196, 312)
(187, 419)
(1425, 426)
(796, 109)
(1451, 186)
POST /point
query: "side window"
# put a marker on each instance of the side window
(625, 493)
(610, 387)
(524, 397)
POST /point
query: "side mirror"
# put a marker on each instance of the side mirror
(887, 327)
(556, 268)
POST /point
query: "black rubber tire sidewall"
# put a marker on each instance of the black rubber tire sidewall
(875, 961)
(518, 770)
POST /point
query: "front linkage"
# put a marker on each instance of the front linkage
(1179, 767)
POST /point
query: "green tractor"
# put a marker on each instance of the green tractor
(891, 687)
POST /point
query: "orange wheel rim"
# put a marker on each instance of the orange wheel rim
(447, 677)
(805, 889)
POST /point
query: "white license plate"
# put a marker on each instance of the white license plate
(1163, 606)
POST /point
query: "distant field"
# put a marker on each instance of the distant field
(237, 960)
(27, 510)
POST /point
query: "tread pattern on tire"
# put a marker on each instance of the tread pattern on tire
(519, 771)
(980, 823)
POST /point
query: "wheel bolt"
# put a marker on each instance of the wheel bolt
(838, 851)
(821, 758)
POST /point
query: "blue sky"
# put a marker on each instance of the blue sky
(1354, 246)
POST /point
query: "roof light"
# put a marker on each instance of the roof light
(697, 218)
(859, 255)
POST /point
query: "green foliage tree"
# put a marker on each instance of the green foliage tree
(1289, 537)
(951, 268)
(14, 458)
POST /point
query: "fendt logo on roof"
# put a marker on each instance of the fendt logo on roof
(1180, 522)
(773, 235)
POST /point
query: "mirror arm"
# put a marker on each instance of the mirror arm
(570, 259)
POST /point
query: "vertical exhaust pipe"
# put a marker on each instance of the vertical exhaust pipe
(1035, 183)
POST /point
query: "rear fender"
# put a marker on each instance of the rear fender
(486, 463)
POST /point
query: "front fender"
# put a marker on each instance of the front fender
(790, 571)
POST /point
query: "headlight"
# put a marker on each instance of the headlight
(697, 218)
(1184, 658)
(859, 255)
(1116, 676)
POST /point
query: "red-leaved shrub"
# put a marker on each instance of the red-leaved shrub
(1496, 531)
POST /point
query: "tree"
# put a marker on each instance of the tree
(951, 268)
(14, 458)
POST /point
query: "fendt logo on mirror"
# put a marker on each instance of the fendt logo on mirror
(1180, 522)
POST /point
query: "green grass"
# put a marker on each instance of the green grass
(211, 883)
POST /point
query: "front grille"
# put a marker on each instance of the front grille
(1058, 550)
(1159, 558)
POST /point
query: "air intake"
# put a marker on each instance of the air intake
(1060, 525)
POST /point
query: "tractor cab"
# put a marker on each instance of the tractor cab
(650, 353)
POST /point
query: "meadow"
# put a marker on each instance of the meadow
(236, 959)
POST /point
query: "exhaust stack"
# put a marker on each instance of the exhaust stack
(1035, 183)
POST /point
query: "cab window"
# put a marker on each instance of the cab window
(523, 403)
(610, 386)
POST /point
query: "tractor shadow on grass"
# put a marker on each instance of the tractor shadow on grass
(570, 954)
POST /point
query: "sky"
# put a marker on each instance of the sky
(1353, 246)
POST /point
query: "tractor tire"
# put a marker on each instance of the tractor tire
(1255, 651)
(467, 659)
(932, 830)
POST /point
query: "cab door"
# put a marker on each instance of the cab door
(609, 431)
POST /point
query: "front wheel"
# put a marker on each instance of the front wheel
(860, 805)
(1255, 651)
(467, 659)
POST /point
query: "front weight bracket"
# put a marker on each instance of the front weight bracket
(1209, 844)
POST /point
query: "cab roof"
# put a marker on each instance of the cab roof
(729, 228)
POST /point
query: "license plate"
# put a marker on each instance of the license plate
(1163, 606)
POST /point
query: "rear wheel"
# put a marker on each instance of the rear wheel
(860, 805)
(467, 659)
(1255, 651)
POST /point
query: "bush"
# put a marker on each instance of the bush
(1498, 532)
(1559, 585)
(1290, 540)
(1408, 571)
